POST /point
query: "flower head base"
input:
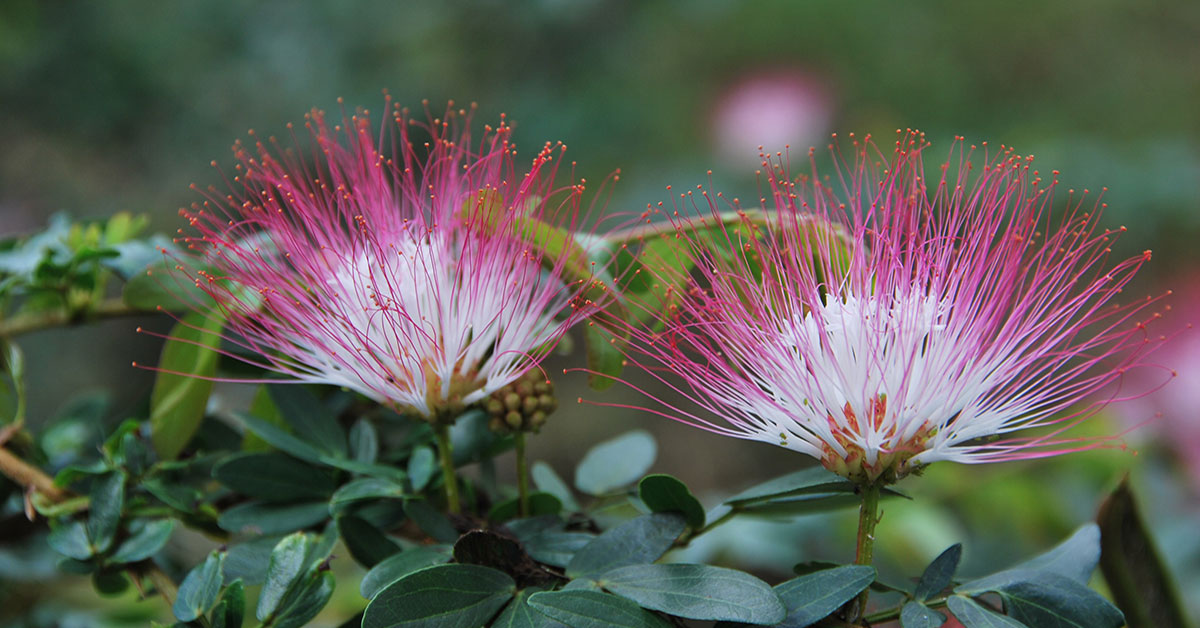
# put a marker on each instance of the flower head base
(390, 264)
(880, 322)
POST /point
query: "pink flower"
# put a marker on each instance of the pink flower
(389, 260)
(774, 108)
(878, 321)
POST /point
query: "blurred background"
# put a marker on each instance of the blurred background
(108, 107)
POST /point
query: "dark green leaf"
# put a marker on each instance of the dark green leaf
(814, 480)
(523, 529)
(199, 589)
(304, 600)
(262, 518)
(939, 573)
(917, 615)
(232, 607)
(289, 560)
(109, 583)
(616, 463)
(145, 539)
(547, 481)
(364, 442)
(972, 615)
(183, 383)
(12, 362)
(156, 288)
(366, 543)
(697, 592)
(274, 477)
(1133, 568)
(421, 466)
(519, 614)
(431, 521)
(280, 438)
(638, 541)
(1047, 598)
(663, 493)
(593, 609)
(605, 361)
(539, 504)
(248, 561)
(438, 596)
(556, 548)
(399, 565)
(309, 418)
(363, 489)
(107, 500)
(472, 438)
(814, 596)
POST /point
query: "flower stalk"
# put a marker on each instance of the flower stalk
(868, 516)
(449, 479)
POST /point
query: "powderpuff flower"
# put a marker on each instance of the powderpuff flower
(879, 320)
(391, 261)
(773, 108)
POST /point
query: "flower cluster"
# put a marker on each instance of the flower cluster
(880, 320)
(391, 261)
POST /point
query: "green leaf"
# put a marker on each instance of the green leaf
(637, 541)
(248, 561)
(232, 607)
(12, 362)
(605, 361)
(309, 418)
(280, 438)
(442, 595)
(813, 480)
(547, 481)
(539, 504)
(366, 543)
(431, 521)
(1140, 582)
(939, 573)
(149, 291)
(109, 583)
(814, 596)
(917, 615)
(593, 609)
(1047, 598)
(199, 589)
(663, 493)
(421, 466)
(145, 539)
(697, 592)
(71, 539)
(364, 489)
(519, 614)
(304, 600)
(1075, 558)
(972, 615)
(556, 548)
(262, 518)
(616, 463)
(182, 386)
(399, 565)
(106, 501)
(364, 441)
(289, 560)
(274, 477)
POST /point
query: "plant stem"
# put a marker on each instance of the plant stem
(868, 516)
(29, 476)
(163, 584)
(522, 476)
(25, 323)
(449, 479)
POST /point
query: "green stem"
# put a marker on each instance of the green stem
(25, 323)
(522, 476)
(868, 516)
(449, 479)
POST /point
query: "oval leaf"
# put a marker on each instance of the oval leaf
(697, 592)
(638, 541)
(287, 562)
(106, 499)
(663, 493)
(144, 541)
(399, 565)
(274, 477)
(939, 573)
(593, 609)
(443, 595)
(616, 463)
(182, 386)
(814, 596)
(199, 589)
(917, 615)
(547, 481)
(260, 518)
(972, 615)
